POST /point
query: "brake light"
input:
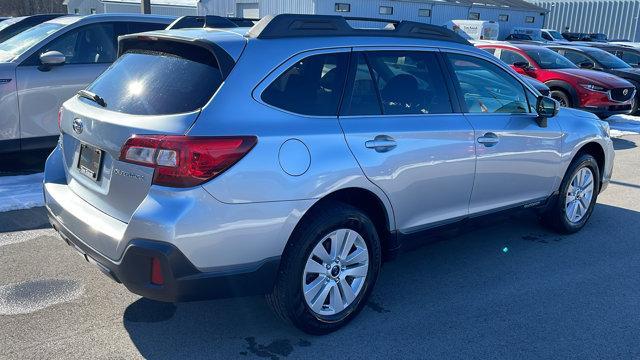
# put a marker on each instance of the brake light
(60, 111)
(183, 161)
(156, 272)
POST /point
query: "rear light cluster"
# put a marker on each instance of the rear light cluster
(183, 161)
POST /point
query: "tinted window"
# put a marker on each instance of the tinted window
(313, 86)
(86, 45)
(609, 61)
(577, 58)
(512, 57)
(154, 83)
(364, 96)
(487, 88)
(631, 58)
(548, 59)
(409, 82)
(490, 50)
(145, 26)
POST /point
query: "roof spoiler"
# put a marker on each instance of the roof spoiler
(294, 25)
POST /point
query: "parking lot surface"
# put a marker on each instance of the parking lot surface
(503, 288)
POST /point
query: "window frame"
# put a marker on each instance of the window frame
(456, 107)
(527, 88)
(503, 17)
(470, 17)
(385, 7)
(529, 17)
(337, 5)
(284, 66)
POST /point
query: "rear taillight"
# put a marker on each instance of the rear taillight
(182, 161)
(60, 111)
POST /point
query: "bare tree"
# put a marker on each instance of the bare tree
(30, 7)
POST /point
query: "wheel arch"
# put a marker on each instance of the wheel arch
(594, 149)
(565, 87)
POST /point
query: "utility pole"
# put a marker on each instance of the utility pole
(145, 6)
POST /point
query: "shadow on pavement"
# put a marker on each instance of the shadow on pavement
(623, 144)
(20, 220)
(503, 287)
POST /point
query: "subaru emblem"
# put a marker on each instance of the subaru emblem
(77, 126)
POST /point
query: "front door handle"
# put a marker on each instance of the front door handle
(381, 143)
(489, 139)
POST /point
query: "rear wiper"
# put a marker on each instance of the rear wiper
(93, 97)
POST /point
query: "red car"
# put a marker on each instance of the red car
(597, 92)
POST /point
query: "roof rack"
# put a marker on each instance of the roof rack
(211, 21)
(294, 25)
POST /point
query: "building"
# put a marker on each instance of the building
(160, 7)
(508, 13)
(618, 19)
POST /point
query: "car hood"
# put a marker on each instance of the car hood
(578, 113)
(596, 77)
(632, 73)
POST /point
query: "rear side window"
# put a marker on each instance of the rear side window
(409, 82)
(149, 82)
(312, 86)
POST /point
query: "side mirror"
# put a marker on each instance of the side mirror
(546, 108)
(521, 65)
(586, 65)
(52, 58)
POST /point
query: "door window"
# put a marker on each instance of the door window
(92, 44)
(630, 58)
(364, 96)
(577, 58)
(409, 82)
(487, 88)
(312, 86)
(512, 57)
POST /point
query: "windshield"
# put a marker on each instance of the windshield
(6, 23)
(22, 42)
(556, 35)
(549, 59)
(607, 60)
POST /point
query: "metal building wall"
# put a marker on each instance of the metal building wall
(84, 6)
(155, 9)
(267, 7)
(616, 18)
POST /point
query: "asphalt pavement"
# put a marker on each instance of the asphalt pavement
(504, 288)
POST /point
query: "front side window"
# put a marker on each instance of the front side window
(91, 44)
(631, 58)
(487, 88)
(549, 59)
(409, 82)
(312, 86)
(512, 57)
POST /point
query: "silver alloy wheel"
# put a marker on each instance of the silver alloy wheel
(579, 195)
(335, 272)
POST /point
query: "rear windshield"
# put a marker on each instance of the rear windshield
(146, 82)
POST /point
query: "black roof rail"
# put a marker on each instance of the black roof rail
(294, 25)
(210, 21)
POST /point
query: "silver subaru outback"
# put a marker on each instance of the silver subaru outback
(291, 158)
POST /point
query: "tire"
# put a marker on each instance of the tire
(561, 97)
(288, 299)
(634, 106)
(559, 214)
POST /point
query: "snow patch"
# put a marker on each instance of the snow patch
(624, 125)
(21, 192)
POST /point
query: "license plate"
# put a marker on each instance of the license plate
(90, 161)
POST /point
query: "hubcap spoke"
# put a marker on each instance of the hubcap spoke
(356, 271)
(347, 291)
(322, 253)
(335, 299)
(318, 301)
(314, 268)
(356, 257)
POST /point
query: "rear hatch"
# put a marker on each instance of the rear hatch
(157, 87)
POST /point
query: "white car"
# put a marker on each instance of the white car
(42, 67)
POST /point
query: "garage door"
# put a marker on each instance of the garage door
(249, 10)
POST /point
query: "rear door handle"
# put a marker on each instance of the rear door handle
(489, 139)
(381, 143)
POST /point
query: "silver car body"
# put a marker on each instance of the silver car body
(438, 173)
(30, 97)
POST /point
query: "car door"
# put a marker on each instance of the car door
(89, 50)
(517, 160)
(406, 132)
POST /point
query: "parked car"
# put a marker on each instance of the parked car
(628, 54)
(45, 65)
(349, 143)
(13, 26)
(576, 36)
(542, 88)
(552, 35)
(596, 92)
(475, 29)
(589, 57)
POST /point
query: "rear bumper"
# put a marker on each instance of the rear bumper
(182, 280)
